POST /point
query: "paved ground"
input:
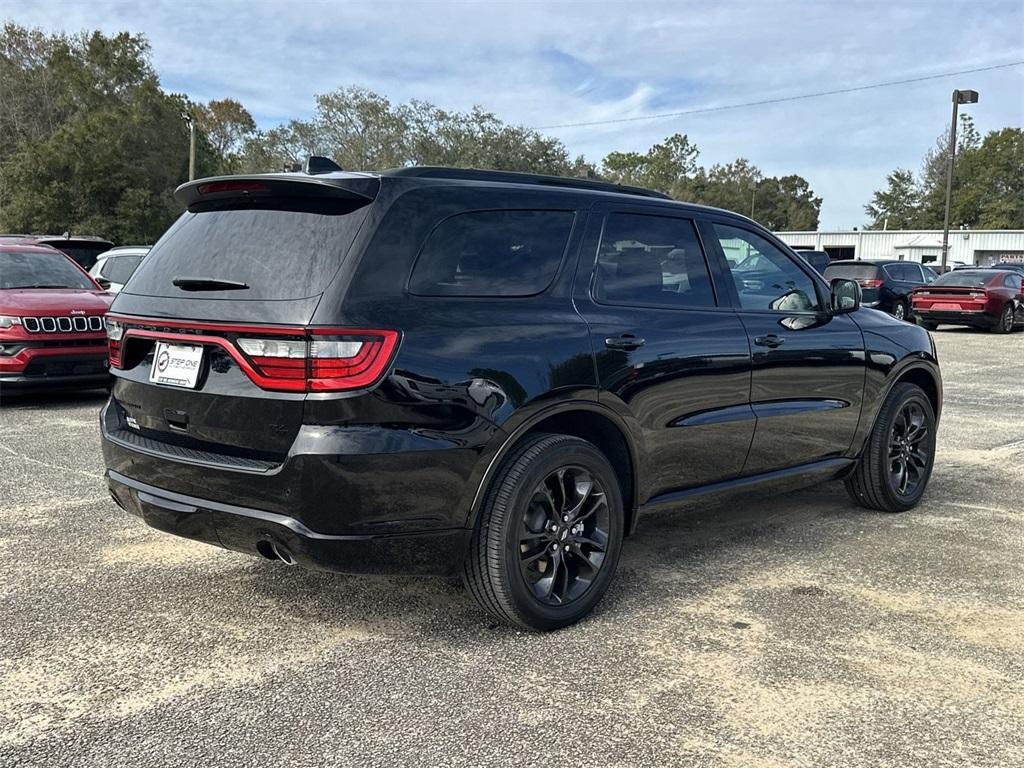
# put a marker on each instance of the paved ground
(796, 630)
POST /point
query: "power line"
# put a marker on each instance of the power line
(780, 100)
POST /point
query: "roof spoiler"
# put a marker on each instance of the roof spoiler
(220, 189)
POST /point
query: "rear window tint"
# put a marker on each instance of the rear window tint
(852, 271)
(279, 254)
(492, 253)
(965, 279)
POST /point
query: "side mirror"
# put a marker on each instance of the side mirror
(845, 295)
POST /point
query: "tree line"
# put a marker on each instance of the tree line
(90, 143)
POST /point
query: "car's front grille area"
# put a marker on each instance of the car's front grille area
(63, 324)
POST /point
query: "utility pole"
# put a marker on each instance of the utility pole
(191, 145)
(959, 97)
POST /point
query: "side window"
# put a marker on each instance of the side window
(492, 253)
(118, 269)
(930, 275)
(652, 260)
(1012, 281)
(766, 278)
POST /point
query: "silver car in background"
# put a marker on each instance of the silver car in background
(113, 268)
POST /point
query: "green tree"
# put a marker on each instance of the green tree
(987, 190)
(106, 147)
(896, 206)
(226, 125)
(668, 167)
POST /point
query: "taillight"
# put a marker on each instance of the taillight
(114, 333)
(214, 187)
(870, 283)
(326, 360)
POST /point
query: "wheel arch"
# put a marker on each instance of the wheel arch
(588, 421)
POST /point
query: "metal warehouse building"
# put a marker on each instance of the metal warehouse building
(970, 246)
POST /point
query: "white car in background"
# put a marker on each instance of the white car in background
(113, 268)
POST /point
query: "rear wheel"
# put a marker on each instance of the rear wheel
(1005, 322)
(899, 311)
(548, 538)
(893, 471)
(928, 326)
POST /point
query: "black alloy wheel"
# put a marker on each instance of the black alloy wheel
(548, 536)
(908, 454)
(563, 538)
(896, 463)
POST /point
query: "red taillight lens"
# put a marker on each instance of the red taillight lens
(326, 360)
(232, 186)
(114, 333)
(870, 283)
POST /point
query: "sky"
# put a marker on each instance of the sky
(550, 63)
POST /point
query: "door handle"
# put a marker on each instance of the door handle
(771, 340)
(626, 341)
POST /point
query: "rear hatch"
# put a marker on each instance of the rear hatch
(210, 340)
(869, 276)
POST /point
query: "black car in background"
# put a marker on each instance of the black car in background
(817, 259)
(885, 284)
(84, 249)
(1012, 266)
(438, 371)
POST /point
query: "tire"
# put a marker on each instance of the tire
(1005, 322)
(518, 526)
(900, 311)
(875, 481)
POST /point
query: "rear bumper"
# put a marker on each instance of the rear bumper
(969, 317)
(258, 532)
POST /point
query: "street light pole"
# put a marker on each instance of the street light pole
(959, 97)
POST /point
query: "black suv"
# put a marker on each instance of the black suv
(885, 284)
(445, 371)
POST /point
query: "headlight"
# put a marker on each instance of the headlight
(114, 329)
(6, 321)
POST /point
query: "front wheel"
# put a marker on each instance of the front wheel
(548, 537)
(1005, 322)
(893, 471)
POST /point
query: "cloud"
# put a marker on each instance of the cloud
(551, 63)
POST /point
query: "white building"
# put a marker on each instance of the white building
(970, 246)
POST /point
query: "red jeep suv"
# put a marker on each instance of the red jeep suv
(51, 320)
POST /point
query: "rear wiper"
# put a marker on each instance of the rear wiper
(207, 284)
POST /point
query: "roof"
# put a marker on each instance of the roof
(11, 245)
(515, 177)
(871, 262)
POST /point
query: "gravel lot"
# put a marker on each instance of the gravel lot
(793, 630)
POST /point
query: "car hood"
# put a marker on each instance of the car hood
(51, 301)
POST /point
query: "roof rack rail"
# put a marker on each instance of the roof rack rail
(515, 177)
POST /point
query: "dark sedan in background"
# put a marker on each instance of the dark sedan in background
(884, 284)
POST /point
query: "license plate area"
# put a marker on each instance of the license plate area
(947, 306)
(176, 365)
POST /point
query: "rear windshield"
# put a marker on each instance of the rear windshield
(852, 271)
(83, 254)
(965, 278)
(40, 270)
(277, 254)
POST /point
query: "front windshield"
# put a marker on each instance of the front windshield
(40, 270)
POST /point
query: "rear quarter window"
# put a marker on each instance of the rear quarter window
(492, 253)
